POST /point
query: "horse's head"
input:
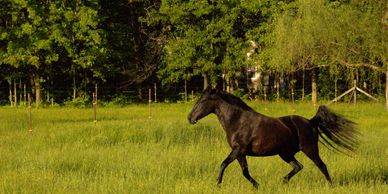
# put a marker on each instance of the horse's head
(204, 106)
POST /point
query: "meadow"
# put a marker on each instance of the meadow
(128, 152)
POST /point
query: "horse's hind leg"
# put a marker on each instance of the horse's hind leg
(296, 166)
(244, 167)
(313, 153)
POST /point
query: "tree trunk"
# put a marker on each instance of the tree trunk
(20, 92)
(237, 84)
(140, 93)
(223, 82)
(205, 81)
(10, 93)
(277, 86)
(314, 98)
(74, 88)
(24, 94)
(303, 78)
(355, 92)
(386, 89)
(227, 83)
(38, 90)
(185, 91)
(335, 86)
(15, 95)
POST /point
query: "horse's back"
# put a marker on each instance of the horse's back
(302, 127)
(294, 122)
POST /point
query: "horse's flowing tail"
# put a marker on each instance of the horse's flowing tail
(334, 128)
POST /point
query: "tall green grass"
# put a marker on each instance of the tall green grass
(128, 152)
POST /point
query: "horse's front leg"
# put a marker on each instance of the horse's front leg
(232, 156)
(244, 167)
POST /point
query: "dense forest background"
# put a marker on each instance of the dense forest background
(304, 49)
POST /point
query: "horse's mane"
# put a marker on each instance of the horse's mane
(233, 100)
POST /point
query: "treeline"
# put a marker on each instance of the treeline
(63, 49)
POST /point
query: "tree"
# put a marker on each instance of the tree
(313, 34)
(25, 32)
(38, 33)
(75, 29)
(362, 39)
(204, 38)
(135, 48)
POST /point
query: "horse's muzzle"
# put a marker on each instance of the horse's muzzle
(192, 120)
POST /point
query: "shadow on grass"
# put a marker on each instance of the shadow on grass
(375, 176)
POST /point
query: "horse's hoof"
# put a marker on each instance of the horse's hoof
(256, 185)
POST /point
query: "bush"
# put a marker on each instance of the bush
(240, 93)
(81, 102)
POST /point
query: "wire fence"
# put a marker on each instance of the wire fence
(155, 94)
(93, 97)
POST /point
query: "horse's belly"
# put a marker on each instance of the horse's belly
(270, 148)
(263, 153)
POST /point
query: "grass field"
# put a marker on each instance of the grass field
(127, 152)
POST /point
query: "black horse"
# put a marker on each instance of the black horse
(253, 134)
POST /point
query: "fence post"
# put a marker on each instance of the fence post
(149, 103)
(29, 115)
(95, 91)
(94, 108)
(155, 93)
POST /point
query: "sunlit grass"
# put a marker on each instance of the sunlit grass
(128, 152)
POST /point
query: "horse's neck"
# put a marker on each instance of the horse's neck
(228, 115)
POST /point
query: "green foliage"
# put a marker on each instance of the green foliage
(317, 33)
(205, 38)
(120, 100)
(240, 93)
(134, 43)
(39, 34)
(80, 102)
